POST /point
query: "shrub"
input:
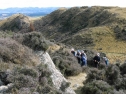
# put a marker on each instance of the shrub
(102, 66)
(34, 40)
(35, 79)
(121, 83)
(85, 69)
(28, 71)
(123, 68)
(95, 74)
(48, 90)
(64, 85)
(43, 81)
(24, 91)
(13, 52)
(112, 74)
(44, 75)
(22, 79)
(66, 62)
(96, 87)
(117, 92)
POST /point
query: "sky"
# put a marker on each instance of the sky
(59, 3)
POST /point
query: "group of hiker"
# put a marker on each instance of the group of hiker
(82, 58)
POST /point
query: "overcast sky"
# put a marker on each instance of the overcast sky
(60, 3)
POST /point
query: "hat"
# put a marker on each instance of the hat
(98, 54)
(82, 51)
(72, 49)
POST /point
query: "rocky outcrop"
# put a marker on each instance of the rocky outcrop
(58, 79)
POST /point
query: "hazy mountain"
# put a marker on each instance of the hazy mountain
(28, 10)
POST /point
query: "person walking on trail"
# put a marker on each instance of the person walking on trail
(96, 60)
(73, 51)
(106, 60)
(78, 55)
(83, 58)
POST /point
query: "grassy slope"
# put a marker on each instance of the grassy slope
(104, 38)
(2, 22)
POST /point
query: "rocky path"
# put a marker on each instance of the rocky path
(77, 81)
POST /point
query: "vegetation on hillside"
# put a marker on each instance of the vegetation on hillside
(92, 29)
(33, 40)
(13, 52)
(107, 80)
(98, 28)
(17, 23)
(21, 67)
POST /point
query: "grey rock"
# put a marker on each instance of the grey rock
(57, 78)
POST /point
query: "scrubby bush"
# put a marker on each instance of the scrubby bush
(102, 66)
(34, 79)
(112, 74)
(123, 68)
(22, 79)
(106, 80)
(66, 62)
(64, 85)
(28, 71)
(95, 74)
(34, 40)
(13, 52)
(118, 92)
(96, 87)
(121, 83)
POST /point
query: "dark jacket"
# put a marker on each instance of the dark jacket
(96, 59)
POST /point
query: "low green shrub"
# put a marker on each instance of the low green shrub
(95, 74)
(112, 74)
(29, 71)
(34, 40)
(13, 52)
(123, 68)
(96, 87)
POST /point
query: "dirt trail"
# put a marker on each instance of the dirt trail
(77, 81)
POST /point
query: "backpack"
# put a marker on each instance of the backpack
(83, 58)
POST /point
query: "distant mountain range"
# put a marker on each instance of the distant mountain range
(29, 11)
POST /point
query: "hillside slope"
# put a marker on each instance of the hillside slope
(100, 28)
(16, 23)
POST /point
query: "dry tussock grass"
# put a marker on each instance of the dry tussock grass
(53, 48)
